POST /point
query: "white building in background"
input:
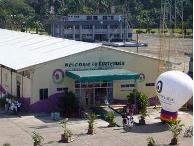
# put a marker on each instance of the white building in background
(91, 28)
(52, 65)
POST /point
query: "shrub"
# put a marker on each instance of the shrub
(37, 138)
(151, 141)
(6, 144)
(176, 127)
(141, 101)
(91, 120)
(67, 133)
(139, 31)
(110, 118)
(68, 104)
(2, 102)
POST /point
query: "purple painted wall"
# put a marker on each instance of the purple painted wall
(2, 90)
(153, 101)
(46, 106)
(25, 104)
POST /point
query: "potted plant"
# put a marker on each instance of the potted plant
(110, 118)
(91, 121)
(37, 138)
(151, 141)
(67, 134)
(176, 127)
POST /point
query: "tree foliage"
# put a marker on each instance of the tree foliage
(140, 99)
(142, 13)
(68, 104)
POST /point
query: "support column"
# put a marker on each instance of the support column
(93, 29)
(53, 29)
(61, 31)
(80, 32)
(109, 38)
(121, 31)
(74, 32)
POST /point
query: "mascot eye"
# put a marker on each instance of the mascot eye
(159, 86)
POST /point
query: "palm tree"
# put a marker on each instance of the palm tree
(91, 121)
(176, 127)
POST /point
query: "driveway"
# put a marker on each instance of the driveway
(17, 131)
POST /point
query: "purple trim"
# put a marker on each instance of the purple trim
(2, 90)
(47, 106)
(25, 103)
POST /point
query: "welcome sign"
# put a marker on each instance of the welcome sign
(106, 64)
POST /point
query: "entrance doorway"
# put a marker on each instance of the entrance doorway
(100, 95)
(93, 93)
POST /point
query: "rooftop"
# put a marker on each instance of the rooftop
(20, 50)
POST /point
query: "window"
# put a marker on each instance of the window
(150, 84)
(83, 36)
(62, 90)
(68, 27)
(43, 93)
(76, 26)
(87, 27)
(76, 16)
(101, 27)
(114, 26)
(129, 35)
(127, 85)
(89, 17)
(95, 17)
(116, 35)
(69, 36)
(77, 36)
(104, 17)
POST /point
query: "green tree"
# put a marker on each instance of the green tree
(14, 13)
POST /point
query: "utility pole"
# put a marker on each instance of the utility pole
(137, 42)
(125, 23)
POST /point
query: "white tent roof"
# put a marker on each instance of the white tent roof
(20, 50)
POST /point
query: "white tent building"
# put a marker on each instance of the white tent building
(39, 68)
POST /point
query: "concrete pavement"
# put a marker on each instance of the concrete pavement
(17, 131)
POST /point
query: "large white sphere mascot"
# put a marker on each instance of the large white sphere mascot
(174, 89)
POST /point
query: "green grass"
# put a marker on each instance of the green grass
(156, 30)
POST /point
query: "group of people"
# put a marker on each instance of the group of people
(12, 105)
(128, 116)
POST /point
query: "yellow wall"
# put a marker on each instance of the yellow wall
(11, 88)
(41, 74)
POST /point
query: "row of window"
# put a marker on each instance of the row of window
(100, 84)
(43, 93)
(89, 36)
(90, 27)
(93, 17)
(103, 17)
